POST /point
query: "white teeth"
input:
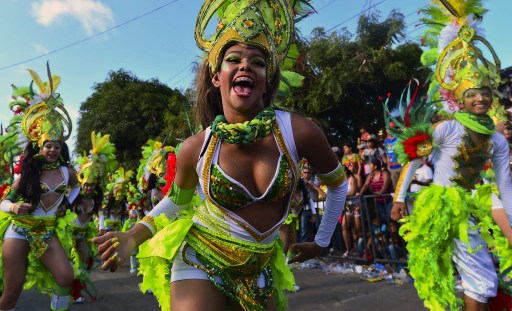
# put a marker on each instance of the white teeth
(244, 79)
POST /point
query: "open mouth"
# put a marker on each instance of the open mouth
(243, 86)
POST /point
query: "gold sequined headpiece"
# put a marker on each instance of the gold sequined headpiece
(461, 64)
(266, 24)
(46, 118)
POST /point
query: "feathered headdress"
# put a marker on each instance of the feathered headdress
(119, 184)
(135, 198)
(13, 140)
(101, 161)
(46, 118)
(460, 64)
(266, 24)
(153, 161)
(412, 126)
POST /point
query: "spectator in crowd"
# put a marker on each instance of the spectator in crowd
(378, 239)
(381, 137)
(353, 162)
(351, 224)
(422, 177)
(308, 216)
(371, 152)
(364, 133)
(395, 247)
(290, 228)
(393, 166)
(379, 182)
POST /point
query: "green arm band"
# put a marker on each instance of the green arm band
(180, 196)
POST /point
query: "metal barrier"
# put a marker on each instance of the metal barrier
(376, 237)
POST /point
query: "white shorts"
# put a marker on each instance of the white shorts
(182, 271)
(477, 271)
(11, 234)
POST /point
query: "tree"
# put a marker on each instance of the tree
(347, 73)
(131, 111)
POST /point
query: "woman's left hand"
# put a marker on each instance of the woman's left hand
(305, 251)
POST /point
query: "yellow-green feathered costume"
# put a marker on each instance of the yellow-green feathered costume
(451, 219)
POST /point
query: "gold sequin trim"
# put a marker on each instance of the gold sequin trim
(150, 221)
(206, 180)
(334, 179)
(400, 181)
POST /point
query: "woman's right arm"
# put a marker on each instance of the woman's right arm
(9, 201)
(178, 198)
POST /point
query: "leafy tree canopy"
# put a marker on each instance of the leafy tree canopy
(132, 111)
(346, 74)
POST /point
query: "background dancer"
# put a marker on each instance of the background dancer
(452, 216)
(36, 244)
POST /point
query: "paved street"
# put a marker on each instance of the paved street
(319, 291)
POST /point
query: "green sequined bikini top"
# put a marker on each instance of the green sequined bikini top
(59, 189)
(231, 194)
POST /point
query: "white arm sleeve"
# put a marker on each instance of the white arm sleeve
(334, 204)
(165, 206)
(405, 179)
(101, 221)
(73, 193)
(5, 206)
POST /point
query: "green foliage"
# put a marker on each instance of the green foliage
(131, 111)
(345, 74)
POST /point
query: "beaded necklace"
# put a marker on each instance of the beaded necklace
(246, 132)
(50, 166)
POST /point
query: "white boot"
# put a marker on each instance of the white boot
(60, 303)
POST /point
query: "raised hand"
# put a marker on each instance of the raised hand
(115, 248)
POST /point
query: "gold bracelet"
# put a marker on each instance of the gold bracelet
(11, 207)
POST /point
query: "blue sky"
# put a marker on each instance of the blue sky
(155, 39)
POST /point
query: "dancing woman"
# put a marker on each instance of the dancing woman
(225, 253)
(93, 176)
(452, 217)
(34, 223)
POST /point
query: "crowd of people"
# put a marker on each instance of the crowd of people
(217, 225)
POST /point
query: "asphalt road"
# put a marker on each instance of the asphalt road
(319, 291)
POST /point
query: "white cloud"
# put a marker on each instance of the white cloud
(92, 14)
(73, 113)
(41, 49)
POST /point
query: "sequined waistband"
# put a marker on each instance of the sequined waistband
(230, 252)
(238, 263)
(32, 223)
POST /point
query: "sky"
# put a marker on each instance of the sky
(84, 40)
